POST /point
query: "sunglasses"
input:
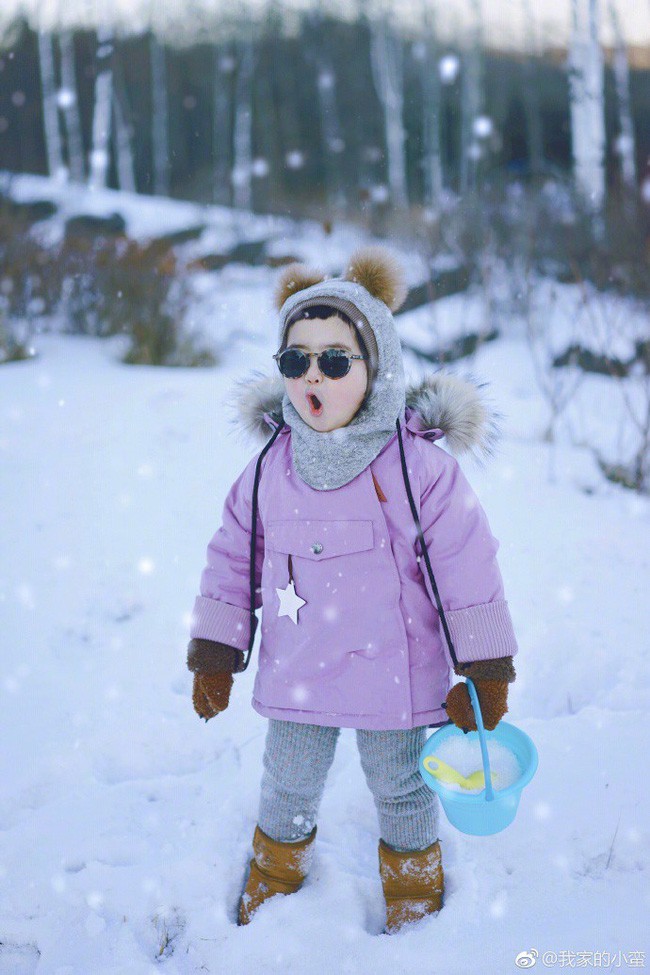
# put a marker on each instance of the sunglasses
(333, 363)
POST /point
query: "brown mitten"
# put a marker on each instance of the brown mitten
(211, 694)
(491, 679)
(212, 664)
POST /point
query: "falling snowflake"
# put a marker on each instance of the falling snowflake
(326, 80)
(379, 193)
(260, 168)
(227, 64)
(498, 906)
(65, 98)
(98, 159)
(58, 883)
(299, 694)
(483, 127)
(94, 900)
(25, 596)
(295, 159)
(624, 144)
(449, 67)
(239, 175)
(645, 190)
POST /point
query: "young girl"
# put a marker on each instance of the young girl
(376, 572)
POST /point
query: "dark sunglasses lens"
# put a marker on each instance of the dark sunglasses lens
(293, 363)
(334, 363)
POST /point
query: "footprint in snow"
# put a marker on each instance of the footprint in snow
(169, 925)
(18, 959)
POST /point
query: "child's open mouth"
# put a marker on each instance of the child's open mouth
(315, 405)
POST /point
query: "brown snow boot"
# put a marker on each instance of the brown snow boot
(276, 868)
(413, 884)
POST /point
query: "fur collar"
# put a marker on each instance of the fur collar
(442, 401)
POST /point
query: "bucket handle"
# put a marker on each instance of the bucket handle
(489, 792)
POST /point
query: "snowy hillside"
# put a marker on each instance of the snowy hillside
(125, 821)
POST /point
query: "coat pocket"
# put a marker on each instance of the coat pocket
(317, 540)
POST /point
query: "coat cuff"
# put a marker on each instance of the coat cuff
(482, 632)
(221, 622)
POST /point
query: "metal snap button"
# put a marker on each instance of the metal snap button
(317, 548)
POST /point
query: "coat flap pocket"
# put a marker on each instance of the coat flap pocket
(316, 540)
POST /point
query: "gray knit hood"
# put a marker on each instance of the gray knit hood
(372, 288)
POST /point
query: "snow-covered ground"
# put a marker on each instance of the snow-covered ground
(125, 821)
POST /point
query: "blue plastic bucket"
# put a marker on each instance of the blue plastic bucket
(491, 810)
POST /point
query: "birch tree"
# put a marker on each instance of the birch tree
(471, 102)
(159, 117)
(431, 88)
(242, 170)
(531, 94)
(587, 94)
(388, 76)
(331, 136)
(224, 66)
(626, 143)
(124, 158)
(53, 148)
(99, 154)
(332, 144)
(69, 106)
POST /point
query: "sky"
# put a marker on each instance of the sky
(504, 21)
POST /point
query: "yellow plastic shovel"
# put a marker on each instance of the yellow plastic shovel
(445, 773)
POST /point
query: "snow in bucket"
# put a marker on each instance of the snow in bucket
(491, 809)
(464, 754)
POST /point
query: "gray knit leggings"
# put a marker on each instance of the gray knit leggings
(297, 759)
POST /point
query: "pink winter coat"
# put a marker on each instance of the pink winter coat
(368, 650)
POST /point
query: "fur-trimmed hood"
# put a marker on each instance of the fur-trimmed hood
(456, 407)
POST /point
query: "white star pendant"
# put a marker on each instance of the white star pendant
(290, 602)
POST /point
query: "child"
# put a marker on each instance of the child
(375, 568)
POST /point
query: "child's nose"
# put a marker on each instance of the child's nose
(313, 372)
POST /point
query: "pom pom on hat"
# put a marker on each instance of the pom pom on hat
(295, 277)
(380, 273)
(374, 268)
